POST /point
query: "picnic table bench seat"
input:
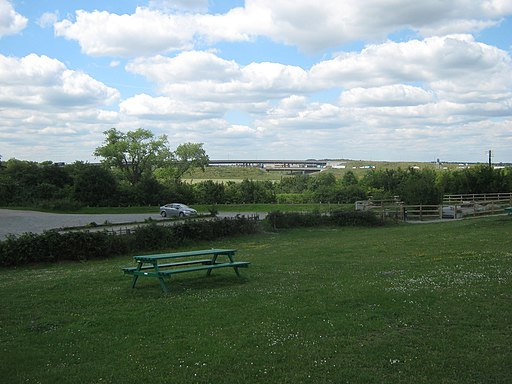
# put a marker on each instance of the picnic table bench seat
(168, 265)
(160, 270)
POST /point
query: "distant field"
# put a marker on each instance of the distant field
(225, 174)
(236, 174)
(401, 304)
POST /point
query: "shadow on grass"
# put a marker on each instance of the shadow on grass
(181, 285)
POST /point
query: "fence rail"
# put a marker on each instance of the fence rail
(452, 207)
(478, 198)
(422, 212)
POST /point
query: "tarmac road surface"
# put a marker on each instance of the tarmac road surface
(17, 222)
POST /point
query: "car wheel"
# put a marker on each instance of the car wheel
(182, 214)
(163, 214)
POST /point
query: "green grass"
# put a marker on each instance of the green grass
(404, 304)
(237, 174)
(205, 208)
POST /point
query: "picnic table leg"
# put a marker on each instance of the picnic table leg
(232, 260)
(164, 287)
(236, 271)
(135, 277)
(213, 261)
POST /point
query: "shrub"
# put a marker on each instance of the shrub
(52, 246)
(280, 220)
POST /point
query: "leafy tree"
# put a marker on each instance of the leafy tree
(349, 178)
(419, 187)
(93, 185)
(294, 184)
(322, 180)
(135, 153)
(478, 179)
(388, 181)
(188, 156)
(208, 192)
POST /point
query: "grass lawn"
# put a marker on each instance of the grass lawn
(428, 303)
(205, 208)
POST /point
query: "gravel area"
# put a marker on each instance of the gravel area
(17, 222)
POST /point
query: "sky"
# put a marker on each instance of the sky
(387, 80)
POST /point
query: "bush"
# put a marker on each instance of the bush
(355, 218)
(52, 246)
(280, 220)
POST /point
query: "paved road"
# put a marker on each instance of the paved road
(17, 222)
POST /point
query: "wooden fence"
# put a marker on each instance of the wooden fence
(452, 207)
(422, 212)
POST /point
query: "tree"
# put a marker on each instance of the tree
(348, 179)
(93, 185)
(188, 156)
(135, 153)
(208, 192)
(420, 187)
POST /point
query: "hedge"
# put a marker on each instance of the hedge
(280, 220)
(52, 246)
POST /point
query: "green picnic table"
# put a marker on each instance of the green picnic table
(509, 210)
(158, 265)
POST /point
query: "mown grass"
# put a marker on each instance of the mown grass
(237, 174)
(205, 208)
(404, 304)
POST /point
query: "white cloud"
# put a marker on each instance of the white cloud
(406, 98)
(453, 68)
(43, 83)
(164, 108)
(11, 22)
(204, 76)
(46, 106)
(142, 33)
(173, 5)
(47, 19)
(457, 58)
(185, 67)
(390, 95)
(391, 99)
(307, 25)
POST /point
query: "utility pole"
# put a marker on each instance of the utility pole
(490, 158)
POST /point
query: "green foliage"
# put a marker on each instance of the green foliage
(26, 182)
(280, 220)
(208, 192)
(419, 187)
(293, 198)
(479, 179)
(411, 185)
(52, 246)
(188, 156)
(135, 153)
(250, 192)
(49, 186)
(93, 185)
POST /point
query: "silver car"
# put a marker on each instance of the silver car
(176, 209)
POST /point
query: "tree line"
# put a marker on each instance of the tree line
(138, 168)
(46, 185)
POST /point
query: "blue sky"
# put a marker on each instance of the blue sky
(396, 80)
